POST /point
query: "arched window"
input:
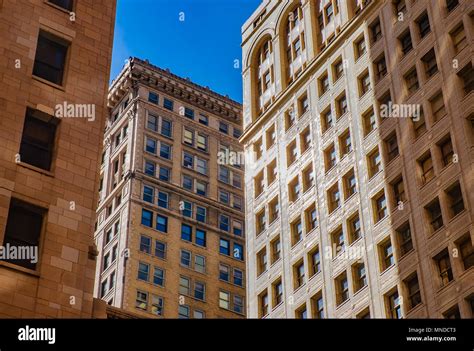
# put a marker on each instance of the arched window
(265, 76)
(295, 44)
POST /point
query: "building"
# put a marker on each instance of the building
(170, 214)
(360, 116)
(55, 54)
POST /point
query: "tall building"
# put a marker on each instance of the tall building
(54, 72)
(170, 215)
(360, 116)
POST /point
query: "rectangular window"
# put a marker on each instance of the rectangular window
(224, 247)
(160, 249)
(50, 58)
(186, 232)
(145, 244)
(185, 258)
(168, 104)
(65, 4)
(159, 277)
(162, 223)
(153, 98)
(147, 218)
(38, 139)
(200, 237)
(162, 199)
(23, 229)
(443, 264)
(143, 271)
(224, 300)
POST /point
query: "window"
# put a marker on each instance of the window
(305, 140)
(147, 218)
(200, 237)
(455, 200)
(458, 37)
(308, 178)
(238, 251)
(360, 48)
(141, 301)
(375, 31)
(274, 209)
(337, 240)
(303, 104)
(341, 105)
(150, 168)
(238, 304)
(224, 223)
(271, 172)
(143, 271)
(398, 189)
(399, 7)
(342, 289)
(260, 221)
(263, 304)
(452, 313)
(345, 143)
(238, 277)
(223, 128)
(160, 250)
(23, 228)
(165, 151)
(162, 199)
(296, 231)
(270, 137)
(291, 153)
(466, 74)
(386, 254)
(168, 104)
(405, 42)
(50, 59)
(261, 261)
(185, 258)
(275, 247)
(224, 247)
(277, 291)
(338, 69)
(350, 184)
(157, 305)
(289, 118)
(380, 205)
(199, 291)
(433, 212)
(423, 25)
(330, 157)
(183, 312)
(311, 218)
(162, 223)
(444, 267)
(145, 244)
(353, 225)
(38, 138)
(429, 61)
(323, 84)
(65, 4)
(413, 290)
(360, 279)
(394, 305)
(391, 146)
(380, 68)
(368, 119)
(405, 242)
(438, 109)
(184, 286)
(364, 83)
(164, 174)
(314, 259)
(298, 274)
(426, 167)
(224, 300)
(375, 162)
(294, 189)
(411, 81)
(201, 214)
(148, 194)
(224, 272)
(466, 251)
(334, 198)
(153, 98)
(237, 133)
(186, 232)
(189, 113)
(159, 277)
(451, 4)
(201, 142)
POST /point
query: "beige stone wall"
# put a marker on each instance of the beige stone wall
(436, 300)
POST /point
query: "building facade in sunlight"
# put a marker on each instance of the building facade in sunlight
(360, 119)
(170, 228)
(54, 72)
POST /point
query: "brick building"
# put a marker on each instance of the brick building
(53, 54)
(170, 214)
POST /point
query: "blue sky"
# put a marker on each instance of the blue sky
(203, 47)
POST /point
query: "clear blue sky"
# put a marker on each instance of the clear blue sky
(203, 47)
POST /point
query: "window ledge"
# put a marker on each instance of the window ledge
(36, 169)
(20, 269)
(47, 82)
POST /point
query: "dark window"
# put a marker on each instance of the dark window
(404, 239)
(444, 267)
(168, 104)
(467, 76)
(186, 232)
(147, 218)
(50, 59)
(200, 237)
(429, 61)
(451, 4)
(166, 128)
(413, 289)
(37, 142)
(435, 217)
(162, 223)
(153, 98)
(423, 25)
(160, 249)
(188, 113)
(23, 229)
(65, 4)
(406, 43)
(224, 247)
(223, 127)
